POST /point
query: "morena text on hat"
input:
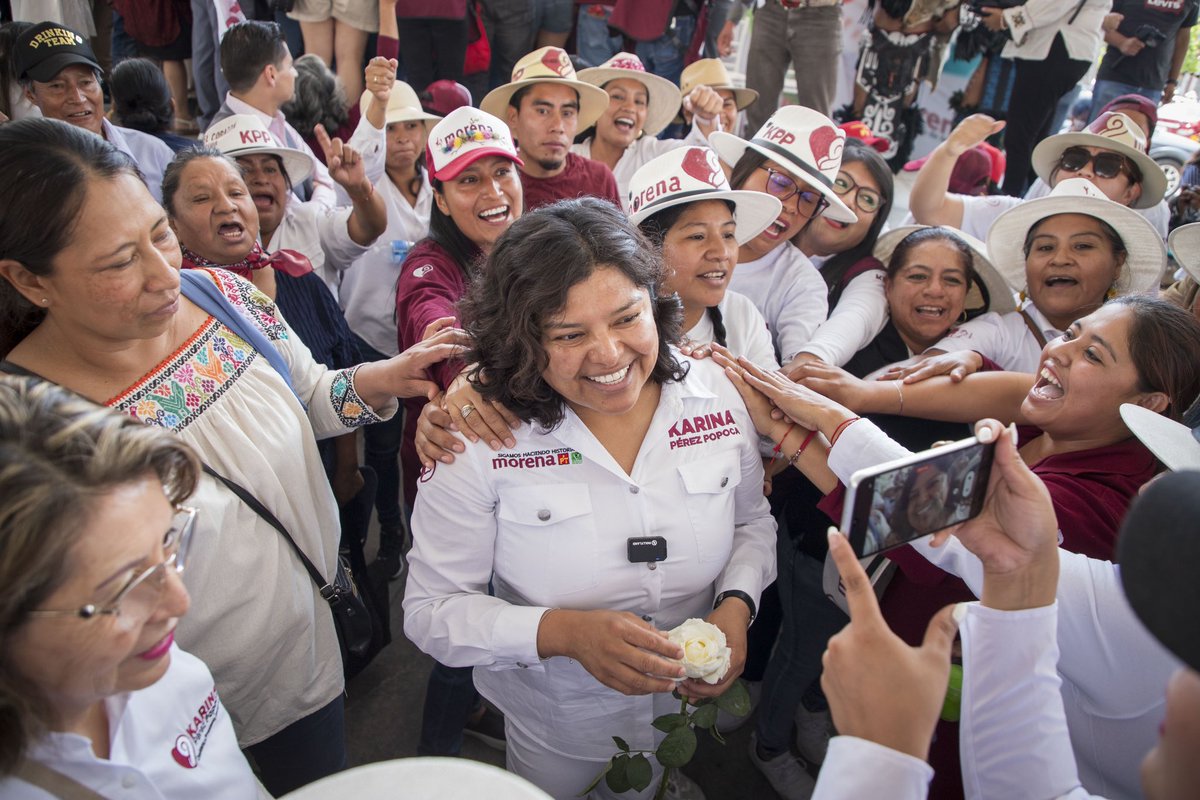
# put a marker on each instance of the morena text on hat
(475, 132)
(653, 192)
(56, 37)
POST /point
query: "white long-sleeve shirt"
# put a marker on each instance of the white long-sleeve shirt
(1004, 338)
(502, 537)
(789, 291)
(323, 236)
(1035, 23)
(860, 314)
(1115, 671)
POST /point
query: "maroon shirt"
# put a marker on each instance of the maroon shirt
(582, 177)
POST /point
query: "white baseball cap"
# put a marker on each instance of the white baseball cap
(464, 136)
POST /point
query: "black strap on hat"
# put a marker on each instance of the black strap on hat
(791, 159)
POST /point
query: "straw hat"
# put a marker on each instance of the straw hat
(1184, 244)
(664, 95)
(245, 135)
(1112, 131)
(403, 106)
(805, 142)
(999, 297)
(1146, 256)
(711, 72)
(464, 136)
(548, 65)
(690, 175)
(1176, 446)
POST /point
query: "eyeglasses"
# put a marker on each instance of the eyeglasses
(781, 185)
(1105, 164)
(138, 598)
(868, 200)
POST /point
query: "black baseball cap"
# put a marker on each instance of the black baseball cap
(1159, 557)
(46, 49)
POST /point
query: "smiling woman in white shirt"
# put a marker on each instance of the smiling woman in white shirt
(93, 538)
(525, 562)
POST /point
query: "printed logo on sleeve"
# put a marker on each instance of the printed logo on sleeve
(702, 428)
(189, 745)
(560, 457)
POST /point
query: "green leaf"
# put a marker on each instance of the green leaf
(735, 700)
(638, 772)
(599, 777)
(678, 748)
(669, 722)
(621, 745)
(705, 716)
(617, 777)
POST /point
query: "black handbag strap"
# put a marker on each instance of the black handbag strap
(323, 586)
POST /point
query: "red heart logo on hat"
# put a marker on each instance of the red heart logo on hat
(558, 61)
(826, 144)
(701, 164)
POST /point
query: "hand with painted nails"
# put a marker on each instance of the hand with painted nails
(437, 437)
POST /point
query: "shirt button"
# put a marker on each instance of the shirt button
(634, 490)
(652, 565)
(544, 514)
(724, 482)
(128, 781)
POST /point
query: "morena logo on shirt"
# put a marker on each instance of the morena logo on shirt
(702, 428)
(189, 745)
(561, 457)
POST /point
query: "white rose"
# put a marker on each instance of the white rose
(705, 654)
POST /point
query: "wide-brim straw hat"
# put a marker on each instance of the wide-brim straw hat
(664, 96)
(1146, 256)
(804, 142)
(403, 106)
(692, 175)
(548, 65)
(711, 72)
(1177, 446)
(246, 135)
(1112, 131)
(996, 294)
(1184, 244)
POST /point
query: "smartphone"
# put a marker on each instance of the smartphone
(891, 504)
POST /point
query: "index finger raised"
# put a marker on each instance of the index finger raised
(860, 597)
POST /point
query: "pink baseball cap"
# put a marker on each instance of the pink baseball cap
(463, 137)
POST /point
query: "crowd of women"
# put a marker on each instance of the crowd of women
(702, 367)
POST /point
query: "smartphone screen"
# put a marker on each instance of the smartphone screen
(892, 504)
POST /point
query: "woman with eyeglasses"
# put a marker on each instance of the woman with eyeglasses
(795, 158)
(843, 253)
(93, 538)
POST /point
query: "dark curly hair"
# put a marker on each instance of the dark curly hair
(524, 284)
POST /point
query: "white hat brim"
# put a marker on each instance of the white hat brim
(299, 166)
(592, 99)
(730, 148)
(1146, 255)
(1184, 244)
(664, 99)
(1171, 443)
(1049, 150)
(999, 294)
(754, 211)
(403, 114)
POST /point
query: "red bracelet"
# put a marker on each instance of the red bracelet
(779, 447)
(803, 446)
(846, 423)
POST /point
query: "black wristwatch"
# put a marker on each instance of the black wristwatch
(740, 595)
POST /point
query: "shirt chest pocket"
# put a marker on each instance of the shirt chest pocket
(709, 485)
(547, 541)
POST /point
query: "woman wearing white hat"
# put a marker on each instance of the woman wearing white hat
(682, 202)
(794, 157)
(640, 105)
(1065, 254)
(711, 72)
(330, 238)
(1184, 244)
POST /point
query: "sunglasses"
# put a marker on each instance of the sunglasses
(868, 200)
(781, 186)
(1104, 164)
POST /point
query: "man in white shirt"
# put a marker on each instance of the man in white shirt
(262, 78)
(61, 76)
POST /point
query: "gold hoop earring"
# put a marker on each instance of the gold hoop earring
(1111, 293)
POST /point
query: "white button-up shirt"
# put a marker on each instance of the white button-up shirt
(172, 740)
(151, 155)
(1035, 23)
(502, 537)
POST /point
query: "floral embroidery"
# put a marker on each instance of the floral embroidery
(247, 299)
(349, 407)
(180, 389)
